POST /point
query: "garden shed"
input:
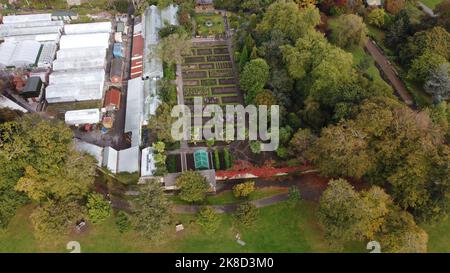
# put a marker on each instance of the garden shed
(201, 160)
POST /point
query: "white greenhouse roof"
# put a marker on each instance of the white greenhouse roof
(152, 24)
(13, 19)
(153, 67)
(19, 54)
(84, 116)
(52, 37)
(110, 156)
(47, 55)
(30, 31)
(148, 167)
(7, 103)
(128, 160)
(85, 40)
(86, 52)
(169, 15)
(134, 111)
(94, 150)
(31, 24)
(105, 27)
(79, 64)
(151, 99)
(88, 75)
(74, 91)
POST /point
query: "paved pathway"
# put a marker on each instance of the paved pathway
(426, 9)
(389, 72)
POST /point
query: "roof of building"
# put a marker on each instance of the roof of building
(120, 27)
(110, 156)
(50, 37)
(6, 32)
(85, 52)
(7, 103)
(99, 27)
(112, 97)
(94, 150)
(128, 160)
(12, 19)
(47, 55)
(151, 99)
(59, 13)
(31, 24)
(134, 111)
(79, 64)
(201, 159)
(74, 91)
(84, 40)
(148, 166)
(373, 2)
(84, 116)
(32, 88)
(169, 15)
(19, 53)
(116, 67)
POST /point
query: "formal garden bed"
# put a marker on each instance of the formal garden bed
(209, 24)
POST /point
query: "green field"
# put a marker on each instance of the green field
(431, 3)
(438, 236)
(279, 228)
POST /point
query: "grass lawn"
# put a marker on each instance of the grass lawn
(279, 228)
(431, 3)
(438, 236)
(227, 197)
(217, 26)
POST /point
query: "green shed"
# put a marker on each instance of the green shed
(201, 160)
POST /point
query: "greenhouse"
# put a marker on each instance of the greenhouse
(148, 166)
(29, 31)
(88, 75)
(74, 91)
(14, 19)
(201, 160)
(100, 27)
(47, 55)
(134, 111)
(85, 116)
(75, 53)
(6, 51)
(19, 54)
(128, 160)
(79, 64)
(151, 99)
(94, 150)
(110, 156)
(84, 40)
(31, 24)
(53, 37)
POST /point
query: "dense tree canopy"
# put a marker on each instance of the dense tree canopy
(348, 31)
(253, 78)
(193, 186)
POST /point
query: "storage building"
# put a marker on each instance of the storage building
(33, 90)
(80, 117)
(116, 70)
(112, 99)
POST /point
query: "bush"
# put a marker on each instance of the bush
(171, 164)
(123, 222)
(246, 214)
(255, 146)
(282, 152)
(244, 189)
(208, 219)
(193, 186)
(98, 208)
(294, 195)
(227, 158)
(217, 159)
(121, 6)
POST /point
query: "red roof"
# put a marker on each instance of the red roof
(112, 97)
(136, 56)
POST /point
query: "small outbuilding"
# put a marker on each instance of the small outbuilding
(116, 70)
(117, 50)
(33, 90)
(84, 116)
(201, 160)
(112, 99)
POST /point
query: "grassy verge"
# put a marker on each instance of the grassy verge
(431, 3)
(279, 228)
(438, 236)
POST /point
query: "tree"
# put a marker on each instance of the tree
(348, 31)
(286, 17)
(98, 208)
(302, 140)
(152, 211)
(246, 214)
(193, 186)
(208, 219)
(376, 17)
(56, 218)
(244, 189)
(438, 83)
(400, 234)
(161, 123)
(443, 12)
(394, 6)
(253, 78)
(398, 30)
(422, 66)
(305, 3)
(172, 48)
(265, 97)
(342, 150)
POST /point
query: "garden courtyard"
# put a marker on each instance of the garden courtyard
(209, 24)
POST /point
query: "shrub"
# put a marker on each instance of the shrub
(294, 195)
(208, 219)
(98, 208)
(193, 186)
(255, 146)
(244, 189)
(227, 158)
(123, 222)
(216, 159)
(246, 214)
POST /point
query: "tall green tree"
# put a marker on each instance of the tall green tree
(253, 78)
(172, 48)
(208, 219)
(193, 186)
(348, 31)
